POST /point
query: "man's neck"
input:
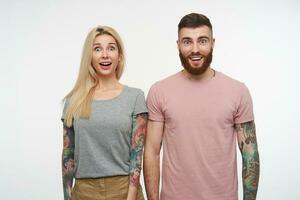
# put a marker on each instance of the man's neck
(207, 75)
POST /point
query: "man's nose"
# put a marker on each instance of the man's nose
(195, 48)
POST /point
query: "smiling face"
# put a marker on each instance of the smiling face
(105, 56)
(195, 47)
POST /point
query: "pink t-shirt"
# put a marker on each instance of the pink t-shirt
(199, 140)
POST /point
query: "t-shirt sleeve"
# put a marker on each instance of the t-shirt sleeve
(64, 110)
(140, 104)
(245, 107)
(154, 104)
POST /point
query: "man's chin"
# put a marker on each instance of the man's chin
(194, 64)
(195, 67)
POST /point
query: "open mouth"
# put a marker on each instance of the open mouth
(105, 64)
(195, 58)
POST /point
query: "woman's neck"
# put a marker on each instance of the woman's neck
(108, 83)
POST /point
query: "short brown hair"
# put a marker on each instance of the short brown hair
(194, 20)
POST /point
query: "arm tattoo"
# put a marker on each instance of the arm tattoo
(68, 161)
(136, 150)
(248, 147)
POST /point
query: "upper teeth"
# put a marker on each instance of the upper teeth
(195, 58)
(105, 63)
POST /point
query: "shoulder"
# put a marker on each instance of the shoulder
(136, 98)
(232, 83)
(166, 82)
(133, 91)
(228, 79)
(66, 102)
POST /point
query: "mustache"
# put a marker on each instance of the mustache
(195, 54)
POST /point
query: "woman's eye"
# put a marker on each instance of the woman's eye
(112, 48)
(97, 49)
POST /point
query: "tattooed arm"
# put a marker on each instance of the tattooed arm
(246, 137)
(139, 126)
(68, 161)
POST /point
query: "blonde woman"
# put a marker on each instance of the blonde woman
(104, 125)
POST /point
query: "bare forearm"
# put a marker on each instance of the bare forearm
(153, 146)
(151, 175)
(132, 192)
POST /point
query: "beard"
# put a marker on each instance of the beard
(196, 70)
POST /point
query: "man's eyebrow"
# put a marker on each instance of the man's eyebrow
(203, 37)
(186, 38)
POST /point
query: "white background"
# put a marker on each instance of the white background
(257, 42)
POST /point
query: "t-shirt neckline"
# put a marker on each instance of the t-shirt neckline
(113, 98)
(180, 73)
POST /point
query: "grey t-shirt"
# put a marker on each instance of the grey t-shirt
(102, 142)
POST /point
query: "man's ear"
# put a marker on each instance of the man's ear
(213, 43)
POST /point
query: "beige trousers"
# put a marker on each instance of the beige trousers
(108, 188)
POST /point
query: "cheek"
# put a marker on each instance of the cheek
(115, 57)
(94, 61)
(95, 56)
(205, 50)
(185, 51)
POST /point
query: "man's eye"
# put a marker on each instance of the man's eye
(186, 42)
(203, 41)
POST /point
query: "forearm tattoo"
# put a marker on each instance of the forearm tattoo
(68, 161)
(136, 149)
(248, 147)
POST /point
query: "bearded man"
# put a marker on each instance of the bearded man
(197, 115)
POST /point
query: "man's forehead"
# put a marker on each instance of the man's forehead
(202, 31)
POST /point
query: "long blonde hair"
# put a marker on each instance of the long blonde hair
(81, 96)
